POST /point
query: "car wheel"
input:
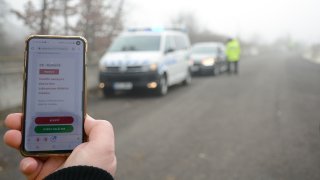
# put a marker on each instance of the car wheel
(216, 70)
(162, 89)
(187, 81)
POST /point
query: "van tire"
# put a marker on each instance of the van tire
(188, 79)
(162, 88)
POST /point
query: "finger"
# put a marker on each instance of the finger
(88, 124)
(30, 167)
(101, 138)
(51, 165)
(35, 168)
(13, 138)
(101, 132)
(13, 121)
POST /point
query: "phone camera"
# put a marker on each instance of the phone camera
(78, 43)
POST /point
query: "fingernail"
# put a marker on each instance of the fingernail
(25, 165)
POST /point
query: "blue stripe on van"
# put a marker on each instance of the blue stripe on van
(170, 61)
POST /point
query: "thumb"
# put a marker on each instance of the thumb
(30, 167)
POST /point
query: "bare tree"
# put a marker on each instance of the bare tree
(195, 33)
(65, 10)
(3, 12)
(3, 8)
(116, 20)
(38, 20)
(43, 16)
(188, 20)
(66, 17)
(99, 22)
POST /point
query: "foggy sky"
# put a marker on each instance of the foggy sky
(268, 19)
(248, 18)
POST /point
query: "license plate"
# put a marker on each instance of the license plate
(122, 86)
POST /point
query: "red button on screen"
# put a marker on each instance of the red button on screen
(49, 71)
(54, 120)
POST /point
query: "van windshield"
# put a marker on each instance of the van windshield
(136, 43)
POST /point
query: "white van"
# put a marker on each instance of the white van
(151, 58)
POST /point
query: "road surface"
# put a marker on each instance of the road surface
(261, 124)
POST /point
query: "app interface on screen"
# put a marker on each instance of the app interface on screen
(53, 118)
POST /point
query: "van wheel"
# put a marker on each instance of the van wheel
(187, 81)
(162, 89)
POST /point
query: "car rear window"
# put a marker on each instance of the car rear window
(204, 50)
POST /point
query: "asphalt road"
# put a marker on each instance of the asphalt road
(261, 124)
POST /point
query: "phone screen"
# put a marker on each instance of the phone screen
(54, 94)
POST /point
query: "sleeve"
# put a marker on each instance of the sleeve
(80, 173)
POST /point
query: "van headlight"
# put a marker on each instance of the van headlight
(208, 62)
(153, 67)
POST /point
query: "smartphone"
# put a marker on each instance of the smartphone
(54, 98)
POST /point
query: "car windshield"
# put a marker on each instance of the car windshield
(204, 50)
(136, 43)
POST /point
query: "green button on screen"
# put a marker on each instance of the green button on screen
(54, 129)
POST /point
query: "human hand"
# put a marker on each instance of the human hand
(98, 151)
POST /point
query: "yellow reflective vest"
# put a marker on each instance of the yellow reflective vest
(233, 51)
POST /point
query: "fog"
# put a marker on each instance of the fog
(248, 19)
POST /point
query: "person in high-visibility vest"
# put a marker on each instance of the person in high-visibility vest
(233, 54)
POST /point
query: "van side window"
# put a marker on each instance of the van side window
(170, 44)
(186, 41)
(181, 42)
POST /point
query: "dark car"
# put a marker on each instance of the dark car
(208, 58)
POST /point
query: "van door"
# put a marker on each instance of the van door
(170, 59)
(181, 56)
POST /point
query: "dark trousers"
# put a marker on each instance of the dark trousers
(235, 67)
